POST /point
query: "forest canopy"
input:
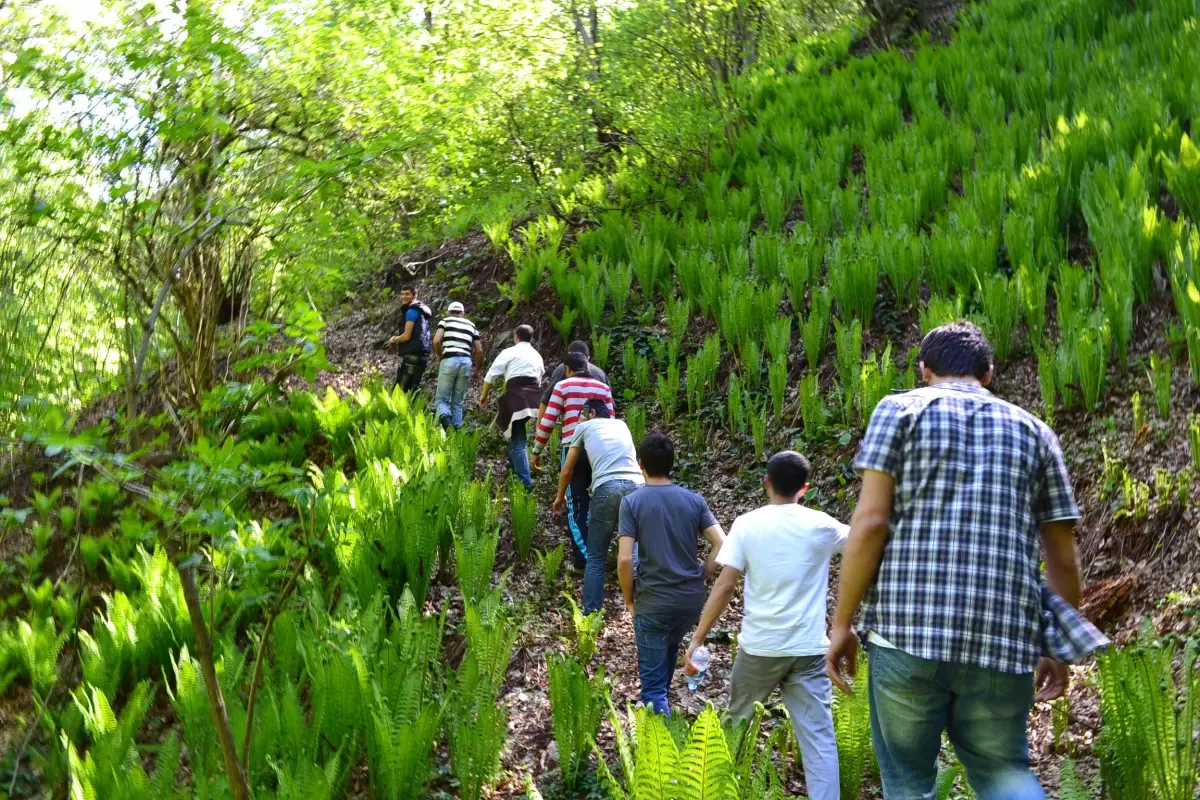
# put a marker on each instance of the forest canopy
(171, 167)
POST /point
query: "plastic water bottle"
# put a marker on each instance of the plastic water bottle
(694, 670)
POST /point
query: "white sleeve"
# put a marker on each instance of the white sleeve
(498, 366)
(732, 554)
(838, 534)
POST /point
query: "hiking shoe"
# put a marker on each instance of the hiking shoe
(444, 421)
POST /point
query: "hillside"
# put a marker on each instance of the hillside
(376, 611)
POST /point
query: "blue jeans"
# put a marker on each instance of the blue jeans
(518, 453)
(984, 711)
(658, 637)
(578, 502)
(453, 374)
(602, 525)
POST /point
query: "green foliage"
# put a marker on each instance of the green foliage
(475, 558)
(940, 310)
(1047, 381)
(476, 741)
(549, 563)
(1183, 176)
(735, 404)
(1159, 372)
(619, 280)
(1001, 302)
(601, 345)
(636, 419)
(522, 510)
(701, 372)
(576, 705)
(1070, 785)
(1193, 431)
(1148, 745)
(668, 391)
(815, 329)
(848, 339)
(587, 629)
(777, 374)
(565, 325)
(852, 729)
(853, 280)
(877, 379)
(812, 407)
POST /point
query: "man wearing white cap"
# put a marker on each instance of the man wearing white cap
(459, 347)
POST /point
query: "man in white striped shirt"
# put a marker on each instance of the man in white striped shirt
(459, 347)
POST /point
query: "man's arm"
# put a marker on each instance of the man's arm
(860, 563)
(718, 601)
(408, 331)
(625, 569)
(564, 479)
(715, 537)
(437, 341)
(1063, 576)
(478, 355)
(547, 419)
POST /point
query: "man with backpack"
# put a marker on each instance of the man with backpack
(414, 342)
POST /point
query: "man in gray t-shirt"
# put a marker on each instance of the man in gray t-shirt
(665, 522)
(608, 446)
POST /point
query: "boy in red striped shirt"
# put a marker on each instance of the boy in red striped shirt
(566, 401)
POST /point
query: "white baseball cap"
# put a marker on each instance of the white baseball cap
(455, 306)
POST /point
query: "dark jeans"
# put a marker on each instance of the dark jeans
(578, 503)
(984, 711)
(659, 636)
(518, 453)
(410, 370)
(602, 526)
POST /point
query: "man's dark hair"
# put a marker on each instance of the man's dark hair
(957, 348)
(409, 287)
(597, 405)
(788, 472)
(524, 333)
(657, 455)
(576, 362)
(578, 346)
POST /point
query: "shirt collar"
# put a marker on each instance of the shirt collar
(962, 386)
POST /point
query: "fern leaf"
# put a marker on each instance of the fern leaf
(657, 759)
(705, 768)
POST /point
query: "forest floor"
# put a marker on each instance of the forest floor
(1133, 569)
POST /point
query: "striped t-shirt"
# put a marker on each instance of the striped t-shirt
(458, 336)
(566, 401)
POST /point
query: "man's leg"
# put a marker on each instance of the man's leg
(408, 375)
(909, 711)
(606, 507)
(653, 634)
(808, 694)
(988, 730)
(458, 395)
(752, 680)
(443, 396)
(578, 504)
(518, 454)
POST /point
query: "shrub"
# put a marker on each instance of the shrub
(900, 253)
(815, 329)
(940, 310)
(1193, 430)
(587, 629)
(848, 339)
(1183, 176)
(1002, 310)
(1031, 286)
(668, 391)
(522, 507)
(576, 705)
(549, 563)
(601, 346)
(734, 405)
(853, 280)
(636, 419)
(752, 359)
(592, 299)
(1090, 349)
(758, 428)
(812, 407)
(777, 375)
(677, 318)
(876, 382)
(565, 325)
(474, 558)
(797, 267)
(1159, 372)
(1148, 744)
(852, 729)
(779, 337)
(619, 279)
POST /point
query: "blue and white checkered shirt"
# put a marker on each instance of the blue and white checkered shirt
(960, 579)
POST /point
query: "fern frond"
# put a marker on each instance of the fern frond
(705, 768)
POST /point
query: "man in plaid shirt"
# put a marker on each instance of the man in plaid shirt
(959, 487)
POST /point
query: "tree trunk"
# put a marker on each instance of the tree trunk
(216, 701)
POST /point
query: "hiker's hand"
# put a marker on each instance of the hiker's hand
(395, 340)
(629, 606)
(483, 403)
(560, 506)
(535, 463)
(1051, 681)
(843, 650)
(693, 645)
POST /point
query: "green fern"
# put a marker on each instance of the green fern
(476, 741)
(1070, 784)
(522, 516)
(475, 558)
(705, 767)
(576, 705)
(852, 728)
(587, 629)
(549, 563)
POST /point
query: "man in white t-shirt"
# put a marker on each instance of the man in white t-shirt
(783, 550)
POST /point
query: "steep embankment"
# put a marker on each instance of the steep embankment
(1034, 175)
